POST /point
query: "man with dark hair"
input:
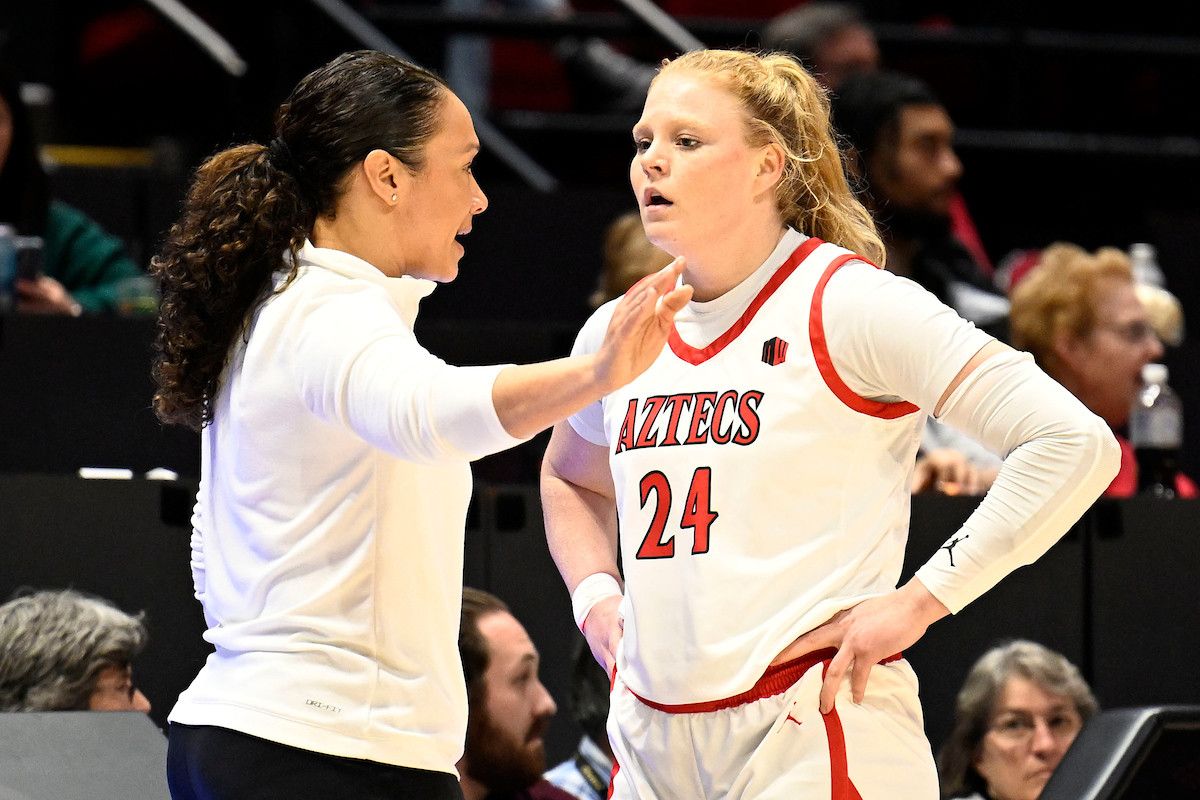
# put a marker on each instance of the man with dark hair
(510, 709)
(586, 774)
(66, 651)
(901, 149)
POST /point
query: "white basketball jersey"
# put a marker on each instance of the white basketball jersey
(756, 493)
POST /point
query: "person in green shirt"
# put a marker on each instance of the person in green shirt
(84, 268)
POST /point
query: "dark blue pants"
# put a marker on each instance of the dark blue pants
(211, 763)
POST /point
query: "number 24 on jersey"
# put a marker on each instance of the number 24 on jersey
(697, 513)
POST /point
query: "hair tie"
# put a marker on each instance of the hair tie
(281, 157)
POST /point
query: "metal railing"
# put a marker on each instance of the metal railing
(490, 137)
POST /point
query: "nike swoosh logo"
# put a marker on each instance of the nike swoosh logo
(793, 719)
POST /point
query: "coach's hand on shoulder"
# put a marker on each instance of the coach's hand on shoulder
(866, 634)
(604, 628)
(640, 325)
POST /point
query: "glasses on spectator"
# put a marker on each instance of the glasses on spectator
(1134, 332)
(1019, 727)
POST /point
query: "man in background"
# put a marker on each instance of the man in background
(509, 708)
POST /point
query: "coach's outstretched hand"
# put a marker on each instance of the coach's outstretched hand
(640, 325)
(866, 634)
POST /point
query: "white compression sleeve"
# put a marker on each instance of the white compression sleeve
(1059, 458)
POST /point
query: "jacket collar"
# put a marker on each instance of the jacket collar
(405, 291)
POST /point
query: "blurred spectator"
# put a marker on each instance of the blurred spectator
(586, 774)
(900, 141)
(832, 40)
(628, 257)
(509, 708)
(1163, 307)
(1079, 314)
(1019, 710)
(66, 651)
(83, 269)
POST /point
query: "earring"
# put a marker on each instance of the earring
(395, 197)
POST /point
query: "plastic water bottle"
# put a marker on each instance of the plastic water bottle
(1156, 432)
(8, 268)
(1144, 260)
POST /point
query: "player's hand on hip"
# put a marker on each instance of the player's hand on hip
(867, 633)
(640, 325)
(603, 629)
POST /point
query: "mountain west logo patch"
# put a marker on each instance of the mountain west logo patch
(774, 351)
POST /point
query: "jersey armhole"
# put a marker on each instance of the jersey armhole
(820, 348)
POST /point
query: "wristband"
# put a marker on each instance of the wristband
(592, 590)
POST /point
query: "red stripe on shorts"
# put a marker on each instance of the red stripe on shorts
(839, 771)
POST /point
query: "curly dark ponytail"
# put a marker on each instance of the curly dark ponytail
(241, 214)
(250, 205)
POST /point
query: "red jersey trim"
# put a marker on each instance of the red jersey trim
(697, 355)
(839, 770)
(775, 680)
(820, 349)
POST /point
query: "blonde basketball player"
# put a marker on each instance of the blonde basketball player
(759, 469)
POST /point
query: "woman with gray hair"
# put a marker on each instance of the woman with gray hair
(66, 651)
(1019, 710)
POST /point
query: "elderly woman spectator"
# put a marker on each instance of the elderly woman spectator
(1018, 712)
(1080, 316)
(66, 651)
